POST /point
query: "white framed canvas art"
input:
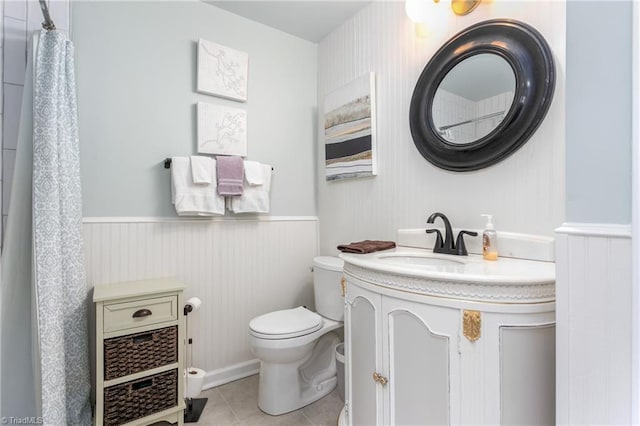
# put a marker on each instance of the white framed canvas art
(350, 130)
(222, 71)
(221, 130)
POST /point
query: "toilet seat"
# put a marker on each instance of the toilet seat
(285, 324)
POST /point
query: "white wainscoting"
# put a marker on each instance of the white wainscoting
(239, 268)
(594, 324)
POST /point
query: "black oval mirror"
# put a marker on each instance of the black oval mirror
(482, 95)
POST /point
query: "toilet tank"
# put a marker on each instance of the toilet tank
(327, 273)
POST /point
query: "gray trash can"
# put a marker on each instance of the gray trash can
(340, 368)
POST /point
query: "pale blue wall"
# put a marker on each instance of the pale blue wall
(136, 81)
(136, 71)
(599, 111)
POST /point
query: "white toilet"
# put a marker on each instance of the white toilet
(296, 346)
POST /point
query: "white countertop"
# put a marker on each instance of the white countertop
(472, 268)
(506, 280)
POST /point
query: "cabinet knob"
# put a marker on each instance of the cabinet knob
(343, 284)
(141, 313)
(379, 378)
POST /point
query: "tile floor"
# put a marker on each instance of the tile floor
(236, 403)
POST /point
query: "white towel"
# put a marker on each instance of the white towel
(254, 199)
(201, 169)
(253, 173)
(191, 199)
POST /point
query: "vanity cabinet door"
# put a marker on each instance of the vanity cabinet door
(364, 356)
(422, 362)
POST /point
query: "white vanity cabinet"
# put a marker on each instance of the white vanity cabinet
(422, 351)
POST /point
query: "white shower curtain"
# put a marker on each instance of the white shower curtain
(56, 275)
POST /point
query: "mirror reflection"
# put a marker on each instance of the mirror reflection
(473, 98)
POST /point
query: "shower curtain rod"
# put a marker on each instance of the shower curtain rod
(48, 23)
(484, 117)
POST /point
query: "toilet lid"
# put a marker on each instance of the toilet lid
(286, 323)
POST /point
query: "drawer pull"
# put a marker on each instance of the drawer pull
(142, 384)
(142, 338)
(141, 313)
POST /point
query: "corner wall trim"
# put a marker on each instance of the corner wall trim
(197, 219)
(229, 374)
(611, 230)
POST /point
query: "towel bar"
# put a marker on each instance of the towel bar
(167, 163)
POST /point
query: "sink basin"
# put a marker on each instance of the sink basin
(418, 259)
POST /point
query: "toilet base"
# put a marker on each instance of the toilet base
(288, 387)
(309, 396)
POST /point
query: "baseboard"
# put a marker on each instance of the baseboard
(229, 374)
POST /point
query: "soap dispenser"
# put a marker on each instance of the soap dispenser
(489, 240)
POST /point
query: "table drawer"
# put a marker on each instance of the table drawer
(140, 313)
(129, 401)
(133, 353)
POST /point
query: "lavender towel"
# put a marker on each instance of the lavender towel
(230, 171)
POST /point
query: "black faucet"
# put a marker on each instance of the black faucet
(447, 246)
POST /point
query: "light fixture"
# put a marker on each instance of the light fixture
(420, 11)
(463, 7)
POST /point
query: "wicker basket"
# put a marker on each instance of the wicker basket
(133, 353)
(132, 400)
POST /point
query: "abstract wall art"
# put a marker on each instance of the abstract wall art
(222, 71)
(349, 130)
(221, 130)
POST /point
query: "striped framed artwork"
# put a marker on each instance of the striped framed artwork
(349, 130)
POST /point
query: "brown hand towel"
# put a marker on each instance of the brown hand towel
(366, 246)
